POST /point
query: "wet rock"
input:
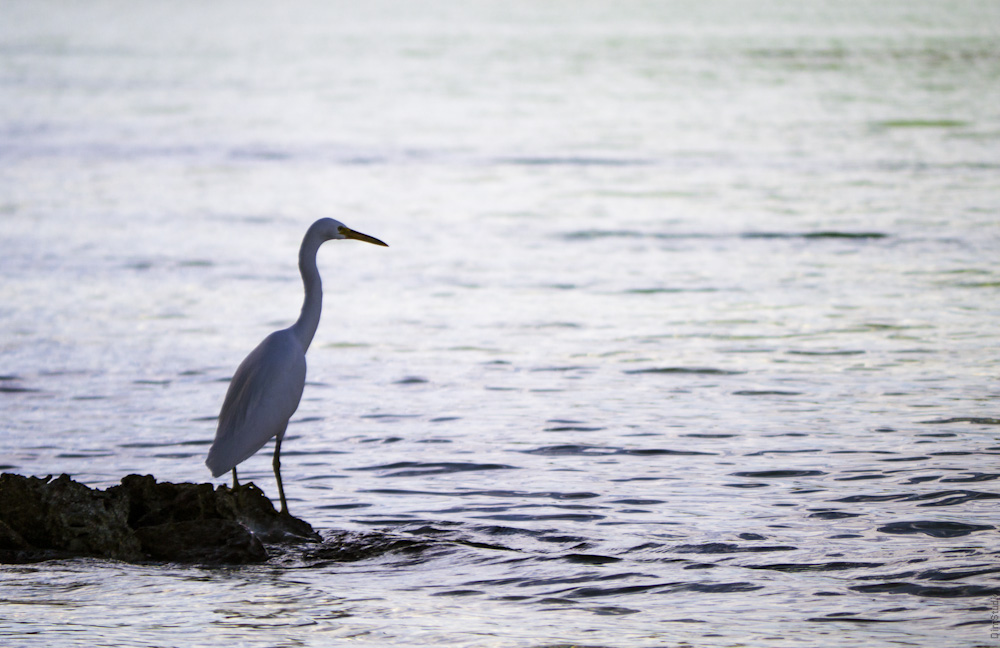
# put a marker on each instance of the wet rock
(140, 520)
(201, 541)
(153, 503)
(39, 517)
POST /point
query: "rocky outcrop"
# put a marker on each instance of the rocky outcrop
(140, 520)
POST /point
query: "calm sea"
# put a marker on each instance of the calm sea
(687, 334)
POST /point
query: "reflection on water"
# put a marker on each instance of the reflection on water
(684, 335)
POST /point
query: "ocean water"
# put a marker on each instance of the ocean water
(686, 334)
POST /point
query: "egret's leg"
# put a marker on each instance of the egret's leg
(277, 474)
(236, 482)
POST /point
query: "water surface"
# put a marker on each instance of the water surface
(686, 334)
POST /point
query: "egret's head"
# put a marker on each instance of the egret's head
(330, 229)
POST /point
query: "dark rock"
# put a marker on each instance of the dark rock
(46, 518)
(139, 520)
(152, 503)
(201, 541)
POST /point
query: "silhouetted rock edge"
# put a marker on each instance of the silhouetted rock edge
(140, 520)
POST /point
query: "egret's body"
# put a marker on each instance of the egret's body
(267, 386)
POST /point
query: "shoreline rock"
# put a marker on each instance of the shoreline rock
(140, 520)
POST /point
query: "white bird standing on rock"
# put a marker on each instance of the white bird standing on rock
(267, 386)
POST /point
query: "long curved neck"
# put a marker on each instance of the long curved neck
(305, 327)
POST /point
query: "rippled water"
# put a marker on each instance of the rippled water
(686, 334)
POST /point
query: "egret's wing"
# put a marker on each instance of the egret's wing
(263, 395)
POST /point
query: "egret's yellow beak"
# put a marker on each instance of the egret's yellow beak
(347, 232)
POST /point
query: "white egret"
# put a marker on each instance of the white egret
(267, 386)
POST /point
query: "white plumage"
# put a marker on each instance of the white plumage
(263, 395)
(266, 389)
